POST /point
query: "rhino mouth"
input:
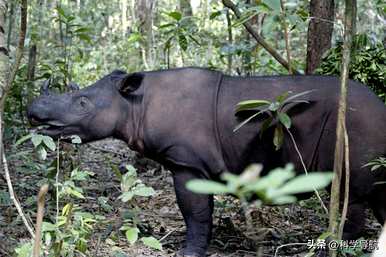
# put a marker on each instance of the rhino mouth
(52, 128)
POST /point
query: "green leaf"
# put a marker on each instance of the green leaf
(132, 235)
(23, 139)
(292, 97)
(203, 186)
(285, 199)
(265, 125)
(48, 227)
(182, 41)
(248, 120)
(36, 139)
(74, 192)
(250, 105)
(152, 243)
(273, 4)
(305, 183)
(284, 119)
(126, 196)
(278, 137)
(75, 139)
(213, 15)
(42, 153)
(49, 142)
(144, 191)
(282, 97)
(175, 15)
(84, 37)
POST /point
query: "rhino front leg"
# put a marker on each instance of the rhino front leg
(197, 211)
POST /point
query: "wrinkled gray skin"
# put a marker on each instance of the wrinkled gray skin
(184, 118)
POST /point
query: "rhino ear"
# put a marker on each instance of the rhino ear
(130, 83)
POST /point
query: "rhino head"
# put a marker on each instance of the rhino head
(98, 111)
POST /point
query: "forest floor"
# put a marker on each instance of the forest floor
(274, 226)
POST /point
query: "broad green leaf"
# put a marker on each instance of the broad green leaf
(144, 191)
(75, 139)
(23, 139)
(48, 227)
(282, 97)
(293, 97)
(213, 15)
(36, 139)
(132, 235)
(265, 125)
(182, 41)
(274, 179)
(42, 153)
(49, 142)
(305, 183)
(284, 119)
(202, 186)
(250, 105)
(152, 243)
(285, 199)
(126, 196)
(278, 137)
(74, 192)
(175, 15)
(248, 120)
(273, 4)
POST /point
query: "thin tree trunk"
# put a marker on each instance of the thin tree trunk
(286, 36)
(319, 32)
(10, 23)
(185, 7)
(230, 40)
(258, 38)
(350, 16)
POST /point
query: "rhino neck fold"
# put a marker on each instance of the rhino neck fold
(129, 127)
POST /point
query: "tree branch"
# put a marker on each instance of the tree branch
(259, 39)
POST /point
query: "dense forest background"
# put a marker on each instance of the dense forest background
(82, 40)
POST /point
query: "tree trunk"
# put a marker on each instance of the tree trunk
(31, 72)
(185, 8)
(341, 152)
(319, 32)
(10, 23)
(144, 12)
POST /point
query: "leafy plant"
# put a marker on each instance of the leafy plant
(277, 187)
(41, 143)
(368, 63)
(277, 113)
(133, 187)
(377, 163)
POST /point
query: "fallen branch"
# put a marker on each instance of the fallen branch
(13, 197)
(39, 220)
(259, 39)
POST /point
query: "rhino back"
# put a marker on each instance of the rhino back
(179, 118)
(313, 124)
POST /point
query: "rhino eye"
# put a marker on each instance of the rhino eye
(83, 104)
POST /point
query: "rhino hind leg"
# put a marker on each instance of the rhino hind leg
(197, 211)
(355, 222)
(378, 203)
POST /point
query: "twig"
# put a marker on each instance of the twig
(57, 178)
(257, 37)
(305, 170)
(286, 37)
(282, 246)
(347, 182)
(168, 234)
(39, 220)
(13, 197)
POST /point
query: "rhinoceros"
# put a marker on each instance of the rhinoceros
(184, 118)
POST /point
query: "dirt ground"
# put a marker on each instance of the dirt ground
(160, 217)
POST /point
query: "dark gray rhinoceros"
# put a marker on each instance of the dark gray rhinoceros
(184, 119)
